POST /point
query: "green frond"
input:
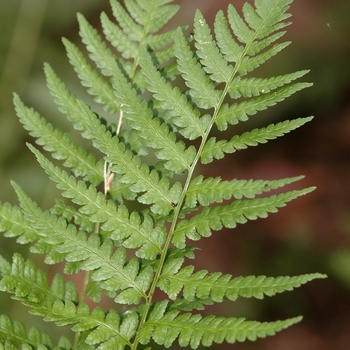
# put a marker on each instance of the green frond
(173, 100)
(57, 305)
(110, 269)
(240, 111)
(124, 248)
(99, 52)
(14, 335)
(14, 224)
(256, 34)
(59, 144)
(156, 134)
(218, 287)
(152, 15)
(72, 215)
(194, 330)
(237, 212)
(125, 36)
(211, 190)
(135, 173)
(248, 87)
(217, 149)
(209, 55)
(30, 284)
(132, 29)
(76, 110)
(158, 42)
(229, 47)
(108, 331)
(240, 29)
(137, 27)
(97, 86)
(134, 230)
(262, 135)
(201, 88)
(249, 64)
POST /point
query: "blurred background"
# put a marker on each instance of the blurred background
(312, 234)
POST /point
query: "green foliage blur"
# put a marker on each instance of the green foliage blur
(312, 234)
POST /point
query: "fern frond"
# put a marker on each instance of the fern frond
(201, 88)
(210, 57)
(212, 190)
(194, 330)
(125, 247)
(97, 86)
(72, 215)
(28, 283)
(218, 287)
(110, 269)
(135, 173)
(240, 111)
(133, 230)
(56, 304)
(145, 17)
(229, 47)
(124, 39)
(258, 34)
(59, 144)
(99, 52)
(173, 100)
(156, 134)
(248, 87)
(14, 224)
(151, 14)
(237, 212)
(13, 334)
(217, 149)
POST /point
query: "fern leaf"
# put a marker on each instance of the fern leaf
(72, 215)
(132, 229)
(59, 144)
(213, 190)
(255, 36)
(202, 89)
(158, 136)
(210, 57)
(138, 28)
(110, 269)
(248, 87)
(15, 335)
(194, 330)
(239, 211)
(218, 287)
(151, 14)
(31, 284)
(109, 331)
(100, 53)
(240, 111)
(249, 64)
(56, 305)
(172, 100)
(13, 223)
(158, 42)
(135, 173)
(241, 30)
(97, 86)
(124, 40)
(229, 47)
(132, 29)
(217, 149)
